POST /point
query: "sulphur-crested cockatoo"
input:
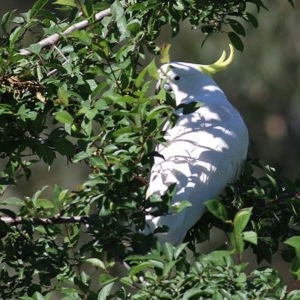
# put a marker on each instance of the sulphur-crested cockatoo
(204, 150)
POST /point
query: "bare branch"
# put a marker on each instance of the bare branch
(54, 38)
(46, 221)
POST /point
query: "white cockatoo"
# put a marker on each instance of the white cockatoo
(204, 150)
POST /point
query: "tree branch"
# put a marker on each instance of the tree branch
(47, 221)
(54, 38)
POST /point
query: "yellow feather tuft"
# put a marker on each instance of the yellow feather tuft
(219, 65)
(164, 53)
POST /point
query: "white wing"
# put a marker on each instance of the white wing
(202, 157)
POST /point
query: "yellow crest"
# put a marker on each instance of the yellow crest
(221, 64)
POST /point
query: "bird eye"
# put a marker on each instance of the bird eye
(176, 77)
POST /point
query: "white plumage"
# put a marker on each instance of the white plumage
(204, 151)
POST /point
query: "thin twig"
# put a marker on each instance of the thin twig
(46, 221)
(54, 38)
(63, 56)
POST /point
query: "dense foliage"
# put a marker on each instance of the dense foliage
(86, 93)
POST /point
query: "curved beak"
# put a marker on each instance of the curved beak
(162, 82)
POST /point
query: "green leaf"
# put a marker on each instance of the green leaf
(272, 181)
(295, 243)
(168, 268)
(134, 26)
(66, 3)
(63, 96)
(236, 41)
(8, 212)
(218, 257)
(63, 146)
(179, 250)
(250, 236)
(64, 117)
(96, 263)
(223, 294)
(14, 201)
(252, 19)
(6, 18)
(156, 263)
(295, 268)
(84, 154)
(106, 279)
(63, 195)
(190, 107)
(35, 48)
(87, 9)
(151, 69)
(38, 296)
(237, 27)
(16, 35)
(241, 219)
(179, 5)
(99, 162)
(43, 203)
(38, 193)
(44, 152)
(81, 35)
(139, 268)
(238, 237)
(117, 11)
(37, 7)
(217, 209)
(178, 207)
(237, 241)
(106, 291)
(157, 111)
(168, 251)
